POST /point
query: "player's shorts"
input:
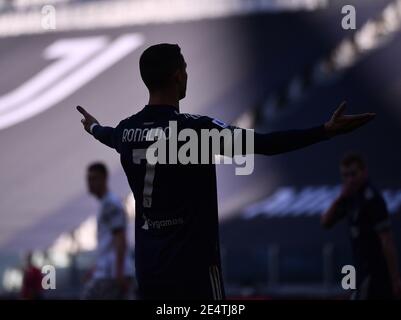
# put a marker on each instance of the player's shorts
(200, 287)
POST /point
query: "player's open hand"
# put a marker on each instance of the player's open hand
(88, 119)
(341, 123)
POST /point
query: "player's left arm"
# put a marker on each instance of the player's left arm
(105, 135)
(285, 141)
(382, 225)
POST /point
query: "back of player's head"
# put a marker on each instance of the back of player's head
(98, 167)
(158, 64)
(352, 158)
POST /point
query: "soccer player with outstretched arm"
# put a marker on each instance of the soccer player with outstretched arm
(177, 251)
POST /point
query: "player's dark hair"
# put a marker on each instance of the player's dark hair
(351, 158)
(99, 167)
(158, 63)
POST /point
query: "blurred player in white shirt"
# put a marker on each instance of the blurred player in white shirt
(112, 277)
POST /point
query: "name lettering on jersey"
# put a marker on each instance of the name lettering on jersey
(145, 134)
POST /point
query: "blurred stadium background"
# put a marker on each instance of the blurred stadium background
(267, 64)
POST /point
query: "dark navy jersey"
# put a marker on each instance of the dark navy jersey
(177, 239)
(367, 216)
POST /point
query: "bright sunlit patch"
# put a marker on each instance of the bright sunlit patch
(12, 279)
(129, 204)
(82, 239)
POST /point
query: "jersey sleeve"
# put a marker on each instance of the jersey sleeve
(287, 141)
(114, 217)
(105, 135)
(246, 141)
(199, 122)
(109, 136)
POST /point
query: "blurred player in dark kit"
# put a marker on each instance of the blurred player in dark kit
(375, 255)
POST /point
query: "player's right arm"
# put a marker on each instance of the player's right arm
(333, 214)
(337, 209)
(104, 134)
